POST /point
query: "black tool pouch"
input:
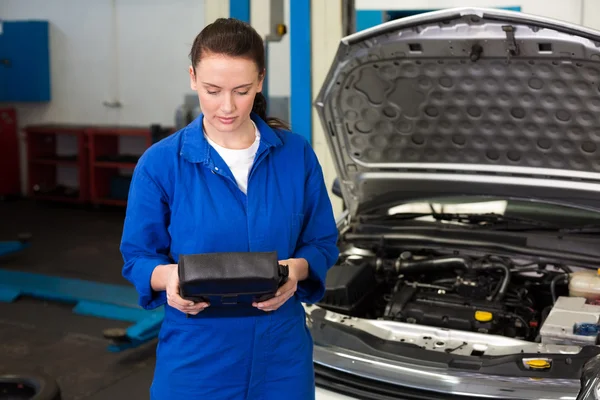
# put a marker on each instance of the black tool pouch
(235, 279)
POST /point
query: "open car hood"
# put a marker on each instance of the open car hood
(465, 102)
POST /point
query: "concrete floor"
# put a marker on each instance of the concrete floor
(35, 335)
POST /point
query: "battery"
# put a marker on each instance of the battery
(571, 322)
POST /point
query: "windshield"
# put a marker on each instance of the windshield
(555, 214)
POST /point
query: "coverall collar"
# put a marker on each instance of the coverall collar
(196, 149)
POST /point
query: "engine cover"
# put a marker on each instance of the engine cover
(452, 311)
(348, 287)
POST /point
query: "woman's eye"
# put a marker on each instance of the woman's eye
(209, 92)
(243, 93)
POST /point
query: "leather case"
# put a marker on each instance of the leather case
(234, 279)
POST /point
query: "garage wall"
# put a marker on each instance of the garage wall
(214, 9)
(279, 52)
(591, 13)
(99, 54)
(326, 32)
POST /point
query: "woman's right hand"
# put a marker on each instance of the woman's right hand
(175, 300)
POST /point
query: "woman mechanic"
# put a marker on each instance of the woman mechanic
(233, 180)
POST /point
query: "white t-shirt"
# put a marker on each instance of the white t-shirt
(239, 161)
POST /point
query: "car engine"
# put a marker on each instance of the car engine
(485, 294)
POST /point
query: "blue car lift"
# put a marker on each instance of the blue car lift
(116, 302)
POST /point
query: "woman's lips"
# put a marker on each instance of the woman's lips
(226, 121)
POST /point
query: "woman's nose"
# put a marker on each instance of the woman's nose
(228, 104)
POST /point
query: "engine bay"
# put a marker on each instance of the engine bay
(487, 294)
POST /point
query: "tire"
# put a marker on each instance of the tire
(25, 386)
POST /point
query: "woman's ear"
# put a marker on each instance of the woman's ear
(261, 80)
(193, 78)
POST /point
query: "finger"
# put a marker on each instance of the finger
(278, 304)
(173, 297)
(197, 306)
(283, 293)
(270, 303)
(275, 302)
(178, 302)
(195, 309)
(285, 287)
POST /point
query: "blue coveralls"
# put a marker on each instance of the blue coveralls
(183, 199)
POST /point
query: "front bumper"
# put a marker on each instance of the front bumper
(368, 377)
(363, 359)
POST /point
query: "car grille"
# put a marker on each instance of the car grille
(367, 389)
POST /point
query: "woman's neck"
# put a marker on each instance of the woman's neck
(242, 138)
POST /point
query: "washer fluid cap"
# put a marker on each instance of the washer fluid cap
(483, 316)
(537, 364)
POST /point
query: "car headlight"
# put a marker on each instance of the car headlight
(590, 390)
(590, 380)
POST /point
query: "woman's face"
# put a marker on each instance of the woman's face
(226, 87)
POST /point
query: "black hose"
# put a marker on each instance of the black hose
(407, 267)
(501, 288)
(545, 313)
(445, 280)
(505, 265)
(529, 269)
(553, 285)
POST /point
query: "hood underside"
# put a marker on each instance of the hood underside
(465, 102)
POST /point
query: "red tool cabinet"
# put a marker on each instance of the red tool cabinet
(10, 176)
(107, 164)
(43, 162)
(103, 172)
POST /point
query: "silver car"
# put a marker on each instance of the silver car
(467, 146)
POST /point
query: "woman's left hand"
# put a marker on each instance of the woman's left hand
(298, 270)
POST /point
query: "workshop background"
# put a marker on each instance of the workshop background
(97, 83)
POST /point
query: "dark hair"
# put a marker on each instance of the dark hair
(235, 38)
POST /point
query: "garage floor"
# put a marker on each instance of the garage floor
(38, 335)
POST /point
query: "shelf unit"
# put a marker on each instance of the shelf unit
(43, 162)
(10, 183)
(104, 173)
(109, 181)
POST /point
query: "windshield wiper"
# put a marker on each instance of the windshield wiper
(486, 220)
(492, 219)
(591, 228)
